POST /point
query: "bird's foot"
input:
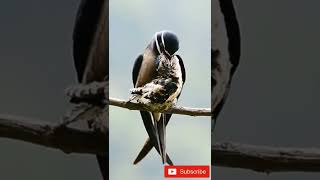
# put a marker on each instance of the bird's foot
(139, 99)
(136, 90)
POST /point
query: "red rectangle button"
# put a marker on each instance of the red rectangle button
(186, 171)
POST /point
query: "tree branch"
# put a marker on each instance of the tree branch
(234, 155)
(174, 110)
(265, 159)
(69, 140)
(95, 92)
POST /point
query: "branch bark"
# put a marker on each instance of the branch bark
(174, 110)
(265, 159)
(69, 140)
(95, 93)
(233, 155)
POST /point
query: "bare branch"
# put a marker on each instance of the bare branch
(69, 140)
(95, 92)
(175, 110)
(234, 155)
(265, 159)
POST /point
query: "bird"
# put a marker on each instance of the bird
(225, 53)
(90, 51)
(149, 76)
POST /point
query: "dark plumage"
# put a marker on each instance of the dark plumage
(157, 84)
(224, 59)
(164, 84)
(90, 50)
(90, 41)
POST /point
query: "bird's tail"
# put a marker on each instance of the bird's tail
(148, 144)
(156, 132)
(161, 129)
(145, 150)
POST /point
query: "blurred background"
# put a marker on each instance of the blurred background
(274, 99)
(36, 65)
(132, 26)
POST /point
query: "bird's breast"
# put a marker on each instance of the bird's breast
(177, 73)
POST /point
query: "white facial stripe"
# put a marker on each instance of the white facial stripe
(157, 43)
(164, 46)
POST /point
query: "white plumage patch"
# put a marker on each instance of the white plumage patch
(221, 73)
(162, 91)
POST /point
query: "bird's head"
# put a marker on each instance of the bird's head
(166, 43)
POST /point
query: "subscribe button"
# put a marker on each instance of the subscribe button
(186, 171)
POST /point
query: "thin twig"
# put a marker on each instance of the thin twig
(95, 92)
(175, 110)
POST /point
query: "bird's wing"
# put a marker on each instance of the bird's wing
(146, 70)
(183, 70)
(161, 130)
(147, 117)
(136, 69)
(148, 145)
(225, 53)
(90, 41)
(90, 50)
